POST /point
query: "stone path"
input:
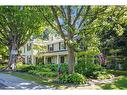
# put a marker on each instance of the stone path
(92, 82)
(10, 82)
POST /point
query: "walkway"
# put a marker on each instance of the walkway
(10, 82)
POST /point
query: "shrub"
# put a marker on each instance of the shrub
(87, 69)
(40, 66)
(45, 70)
(64, 68)
(117, 72)
(2, 66)
(75, 78)
(124, 66)
(63, 78)
(26, 68)
(54, 67)
(42, 74)
(102, 75)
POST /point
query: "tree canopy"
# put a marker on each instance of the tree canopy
(17, 24)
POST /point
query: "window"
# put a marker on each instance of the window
(62, 46)
(29, 59)
(29, 47)
(62, 59)
(50, 47)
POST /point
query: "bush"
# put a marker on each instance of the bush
(2, 66)
(40, 66)
(42, 74)
(64, 68)
(63, 78)
(45, 70)
(102, 75)
(53, 67)
(117, 72)
(124, 66)
(87, 69)
(75, 78)
(26, 68)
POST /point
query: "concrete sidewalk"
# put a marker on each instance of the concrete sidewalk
(10, 82)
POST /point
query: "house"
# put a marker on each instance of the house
(55, 51)
(28, 52)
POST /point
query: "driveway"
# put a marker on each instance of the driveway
(10, 82)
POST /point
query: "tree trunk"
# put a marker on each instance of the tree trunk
(12, 57)
(71, 60)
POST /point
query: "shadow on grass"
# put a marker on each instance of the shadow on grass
(120, 83)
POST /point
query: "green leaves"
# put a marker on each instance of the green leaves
(18, 23)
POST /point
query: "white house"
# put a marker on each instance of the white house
(55, 51)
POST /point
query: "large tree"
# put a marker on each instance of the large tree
(113, 39)
(17, 24)
(71, 22)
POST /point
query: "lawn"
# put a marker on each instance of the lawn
(119, 83)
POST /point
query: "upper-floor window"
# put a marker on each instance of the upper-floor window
(29, 47)
(62, 46)
(50, 47)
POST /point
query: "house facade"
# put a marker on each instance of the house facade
(28, 52)
(55, 51)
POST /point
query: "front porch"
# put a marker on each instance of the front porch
(53, 57)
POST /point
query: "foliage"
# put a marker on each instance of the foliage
(124, 66)
(117, 72)
(74, 25)
(26, 68)
(120, 83)
(102, 75)
(87, 69)
(75, 78)
(40, 66)
(17, 25)
(64, 67)
(44, 73)
(3, 53)
(63, 78)
(2, 66)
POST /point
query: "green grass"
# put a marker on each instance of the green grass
(42, 81)
(120, 83)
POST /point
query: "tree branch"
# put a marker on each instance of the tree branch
(58, 23)
(77, 16)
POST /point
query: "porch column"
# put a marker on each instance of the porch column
(44, 59)
(58, 59)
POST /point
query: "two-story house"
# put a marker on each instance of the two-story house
(56, 51)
